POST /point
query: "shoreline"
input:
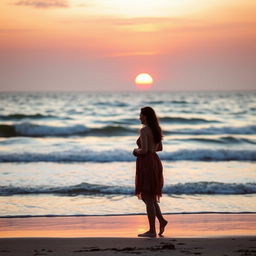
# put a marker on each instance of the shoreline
(123, 214)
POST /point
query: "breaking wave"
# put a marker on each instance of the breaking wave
(191, 188)
(28, 129)
(119, 155)
(183, 120)
(221, 140)
(250, 129)
(24, 116)
(35, 130)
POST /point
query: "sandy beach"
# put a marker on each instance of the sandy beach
(128, 246)
(192, 234)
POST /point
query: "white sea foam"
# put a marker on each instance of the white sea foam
(249, 129)
(119, 155)
(30, 129)
(217, 188)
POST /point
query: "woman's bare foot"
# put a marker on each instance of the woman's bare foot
(162, 227)
(147, 234)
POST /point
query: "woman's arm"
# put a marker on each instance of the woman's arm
(159, 146)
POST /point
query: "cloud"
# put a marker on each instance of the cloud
(44, 4)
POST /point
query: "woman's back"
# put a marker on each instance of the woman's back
(152, 146)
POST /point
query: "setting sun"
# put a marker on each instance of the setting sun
(144, 81)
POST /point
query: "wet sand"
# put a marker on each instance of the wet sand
(193, 234)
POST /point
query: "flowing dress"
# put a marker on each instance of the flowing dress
(149, 175)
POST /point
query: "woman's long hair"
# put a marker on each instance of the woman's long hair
(153, 123)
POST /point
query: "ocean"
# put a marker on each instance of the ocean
(70, 153)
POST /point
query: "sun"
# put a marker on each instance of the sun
(144, 81)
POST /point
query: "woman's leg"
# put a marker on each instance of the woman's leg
(151, 212)
(158, 212)
(160, 218)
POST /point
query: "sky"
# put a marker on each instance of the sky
(101, 45)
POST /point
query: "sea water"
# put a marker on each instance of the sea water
(70, 153)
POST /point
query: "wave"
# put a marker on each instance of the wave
(213, 188)
(109, 103)
(119, 155)
(249, 129)
(210, 155)
(183, 120)
(22, 116)
(166, 119)
(35, 130)
(190, 188)
(154, 102)
(167, 102)
(28, 129)
(222, 140)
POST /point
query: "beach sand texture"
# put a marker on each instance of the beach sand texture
(128, 246)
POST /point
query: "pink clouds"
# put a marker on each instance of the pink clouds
(44, 4)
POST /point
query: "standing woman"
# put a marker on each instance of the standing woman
(149, 171)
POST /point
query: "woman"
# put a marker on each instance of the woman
(149, 170)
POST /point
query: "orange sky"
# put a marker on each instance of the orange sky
(99, 44)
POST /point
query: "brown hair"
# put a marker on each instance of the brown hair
(153, 123)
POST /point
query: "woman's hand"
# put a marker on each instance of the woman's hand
(135, 152)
